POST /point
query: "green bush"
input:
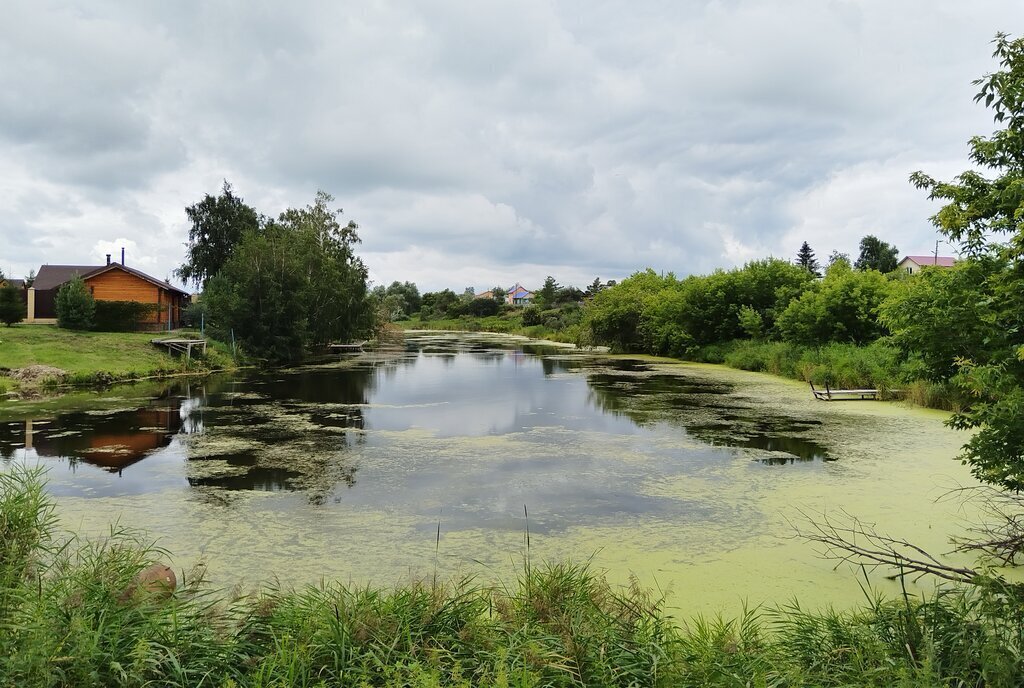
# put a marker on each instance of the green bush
(841, 308)
(531, 316)
(76, 308)
(121, 316)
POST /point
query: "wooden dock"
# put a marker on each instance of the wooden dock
(352, 347)
(181, 346)
(829, 394)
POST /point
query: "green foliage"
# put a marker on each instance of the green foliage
(983, 215)
(218, 225)
(194, 314)
(121, 316)
(294, 285)
(837, 257)
(532, 316)
(440, 305)
(12, 307)
(751, 322)
(482, 308)
(546, 295)
(842, 308)
(400, 299)
(616, 316)
(942, 315)
(876, 254)
(663, 315)
(76, 308)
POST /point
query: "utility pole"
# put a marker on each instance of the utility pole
(936, 252)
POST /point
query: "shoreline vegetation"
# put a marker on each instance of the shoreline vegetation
(841, 365)
(84, 613)
(102, 358)
(71, 358)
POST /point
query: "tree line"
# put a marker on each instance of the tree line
(768, 299)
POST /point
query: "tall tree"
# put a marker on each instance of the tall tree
(548, 292)
(805, 259)
(218, 225)
(982, 213)
(876, 254)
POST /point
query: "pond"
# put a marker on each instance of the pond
(447, 454)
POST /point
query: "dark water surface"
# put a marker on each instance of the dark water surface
(348, 467)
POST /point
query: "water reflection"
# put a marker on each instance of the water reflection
(111, 441)
(706, 411)
(396, 425)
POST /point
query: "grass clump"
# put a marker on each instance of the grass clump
(69, 617)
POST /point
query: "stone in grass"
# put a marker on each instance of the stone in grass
(153, 582)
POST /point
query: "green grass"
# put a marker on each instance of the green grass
(95, 356)
(876, 365)
(68, 618)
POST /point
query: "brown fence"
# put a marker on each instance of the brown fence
(46, 303)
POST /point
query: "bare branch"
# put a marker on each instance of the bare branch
(849, 540)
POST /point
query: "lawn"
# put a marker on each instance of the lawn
(84, 354)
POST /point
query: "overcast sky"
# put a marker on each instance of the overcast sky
(480, 143)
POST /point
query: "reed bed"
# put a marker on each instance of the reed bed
(851, 366)
(68, 617)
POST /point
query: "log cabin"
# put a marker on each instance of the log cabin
(111, 282)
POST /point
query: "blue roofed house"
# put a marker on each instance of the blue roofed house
(519, 296)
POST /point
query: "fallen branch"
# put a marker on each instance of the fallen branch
(849, 540)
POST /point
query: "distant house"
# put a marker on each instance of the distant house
(913, 264)
(489, 294)
(110, 282)
(519, 296)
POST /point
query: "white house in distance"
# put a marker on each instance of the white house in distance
(913, 264)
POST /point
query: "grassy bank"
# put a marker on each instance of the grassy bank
(71, 615)
(96, 356)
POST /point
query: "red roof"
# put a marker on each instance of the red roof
(941, 261)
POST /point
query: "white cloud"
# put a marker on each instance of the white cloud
(506, 139)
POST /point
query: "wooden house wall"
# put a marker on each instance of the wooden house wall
(116, 285)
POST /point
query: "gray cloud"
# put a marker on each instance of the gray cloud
(490, 142)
